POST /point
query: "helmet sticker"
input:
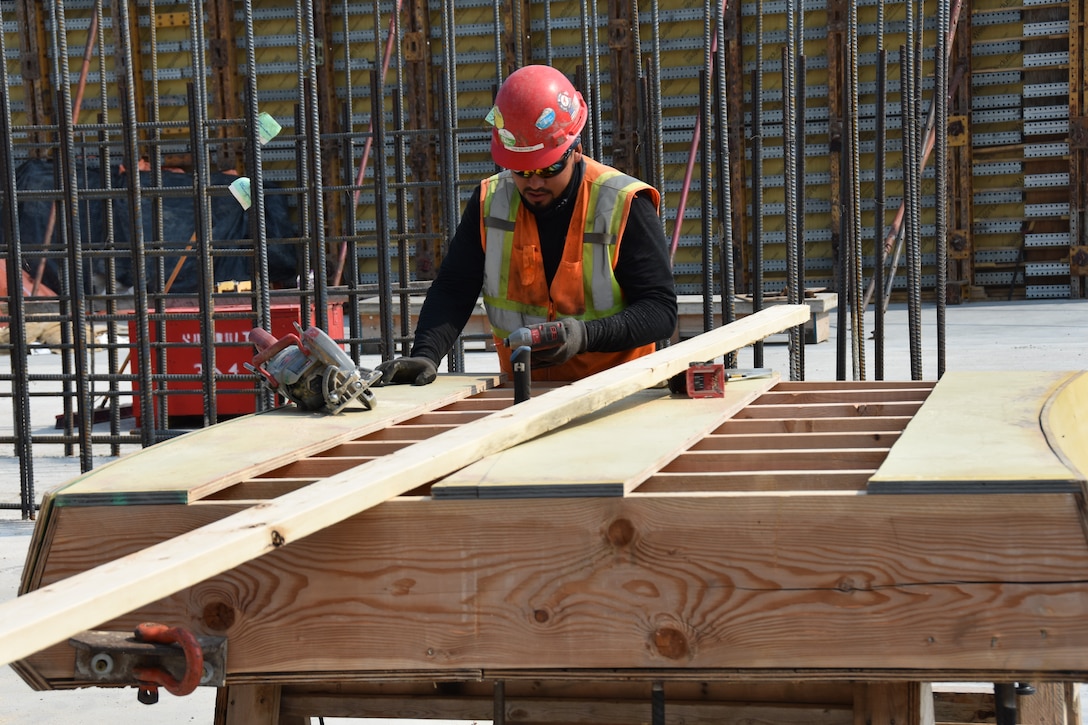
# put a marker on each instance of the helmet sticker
(494, 117)
(568, 103)
(506, 137)
(546, 118)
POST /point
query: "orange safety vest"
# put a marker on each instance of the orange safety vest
(515, 292)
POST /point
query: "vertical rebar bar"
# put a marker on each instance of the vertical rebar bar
(69, 210)
(496, 34)
(317, 196)
(16, 311)
(381, 192)
(255, 170)
(940, 128)
(516, 20)
(801, 91)
(131, 159)
(789, 129)
(158, 215)
(455, 361)
(910, 169)
(879, 193)
(401, 155)
(549, 51)
(914, 240)
(725, 237)
(655, 99)
(705, 152)
(854, 173)
(590, 134)
(595, 80)
(757, 180)
(202, 229)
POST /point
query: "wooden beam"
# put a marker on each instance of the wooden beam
(1048, 704)
(569, 711)
(46, 616)
(901, 703)
(252, 705)
(967, 588)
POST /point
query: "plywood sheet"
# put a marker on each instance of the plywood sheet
(980, 432)
(607, 453)
(199, 463)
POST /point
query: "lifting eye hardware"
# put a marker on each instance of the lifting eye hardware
(152, 656)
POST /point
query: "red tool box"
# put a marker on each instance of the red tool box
(232, 350)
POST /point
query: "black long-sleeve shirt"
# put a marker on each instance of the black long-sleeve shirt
(642, 271)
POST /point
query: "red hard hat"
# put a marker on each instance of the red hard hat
(536, 117)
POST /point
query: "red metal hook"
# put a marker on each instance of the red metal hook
(153, 677)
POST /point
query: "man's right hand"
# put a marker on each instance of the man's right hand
(414, 370)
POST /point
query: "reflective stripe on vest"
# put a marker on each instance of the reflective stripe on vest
(608, 194)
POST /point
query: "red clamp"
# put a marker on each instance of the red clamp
(151, 678)
(705, 380)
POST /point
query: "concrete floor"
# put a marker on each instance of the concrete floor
(1014, 336)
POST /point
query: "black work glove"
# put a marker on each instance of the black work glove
(414, 370)
(573, 345)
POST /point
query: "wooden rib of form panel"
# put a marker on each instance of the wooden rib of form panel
(798, 436)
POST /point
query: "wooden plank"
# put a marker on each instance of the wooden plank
(569, 711)
(830, 410)
(738, 481)
(188, 467)
(801, 397)
(683, 582)
(1046, 705)
(851, 385)
(40, 618)
(981, 432)
(250, 705)
(772, 441)
(813, 425)
(901, 703)
(643, 432)
(781, 460)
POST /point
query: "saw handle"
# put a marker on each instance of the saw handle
(268, 347)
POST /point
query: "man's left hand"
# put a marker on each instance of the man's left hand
(574, 344)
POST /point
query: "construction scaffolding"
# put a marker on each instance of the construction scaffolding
(180, 171)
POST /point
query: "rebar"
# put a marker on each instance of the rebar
(853, 174)
(940, 96)
(16, 311)
(879, 198)
(456, 358)
(789, 131)
(705, 154)
(724, 176)
(757, 181)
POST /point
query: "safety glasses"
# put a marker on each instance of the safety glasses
(548, 171)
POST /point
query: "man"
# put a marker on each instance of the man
(554, 236)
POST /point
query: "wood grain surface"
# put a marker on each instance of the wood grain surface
(783, 581)
(982, 431)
